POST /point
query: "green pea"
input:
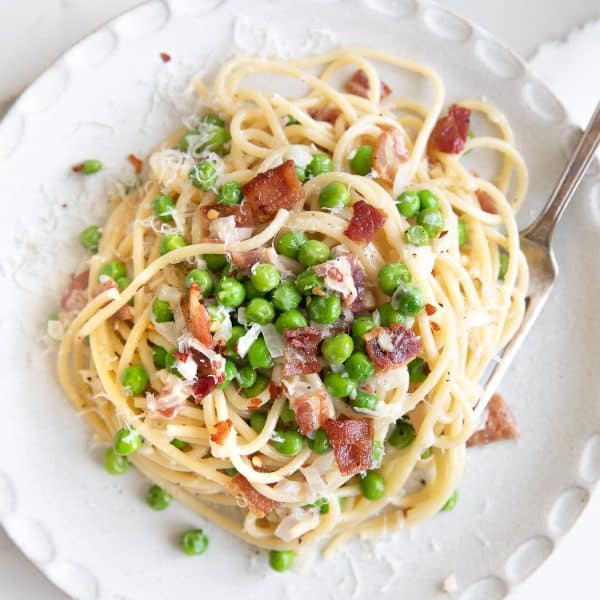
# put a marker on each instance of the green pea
(212, 137)
(88, 167)
(287, 415)
(127, 441)
(179, 444)
(377, 453)
(215, 262)
(202, 278)
(290, 319)
(313, 252)
(259, 356)
(409, 299)
(281, 560)
(291, 120)
(170, 242)
(203, 175)
(257, 421)
(163, 207)
(114, 269)
(213, 119)
(463, 232)
(426, 453)
(372, 485)
(402, 435)
(288, 442)
(391, 276)
(416, 235)
(135, 380)
(194, 542)
(417, 370)
(323, 505)
(158, 499)
(114, 463)
(451, 502)
(251, 291)
(337, 349)
(286, 296)
(53, 316)
(237, 331)
(230, 374)
(362, 161)
(90, 237)
(408, 204)
(325, 309)
(334, 195)
(390, 316)
(123, 283)
(427, 199)
(246, 376)
(364, 399)
(260, 311)
(161, 310)
(300, 172)
(230, 193)
(265, 277)
(361, 325)
(289, 243)
(432, 221)
(503, 265)
(307, 281)
(230, 293)
(359, 366)
(320, 163)
(219, 140)
(340, 385)
(262, 381)
(159, 356)
(319, 444)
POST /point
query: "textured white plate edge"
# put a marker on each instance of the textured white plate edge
(81, 577)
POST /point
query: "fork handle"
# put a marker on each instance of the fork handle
(542, 228)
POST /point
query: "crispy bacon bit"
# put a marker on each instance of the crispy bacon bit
(352, 443)
(337, 275)
(275, 390)
(254, 403)
(136, 162)
(257, 503)
(241, 212)
(207, 378)
(165, 57)
(181, 356)
(124, 313)
(325, 113)
(430, 309)
(311, 412)
(74, 297)
(393, 345)
(300, 350)
(486, 202)
(245, 261)
(443, 233)
(450, 132)
(222, 429)
(198, 321)
(358, 85)
(499, 425)
(365, 299)
(274, 189)
(365, 222)
(390, 151)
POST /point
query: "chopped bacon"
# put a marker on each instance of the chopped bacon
(74, 297)
(365, 222)
(245, 261)
(300, 351)
(275, 390)
(393, 345)
(499, 425)
(181, 356)
(365, 299)
(165, 57)
(337, 275)
(352, 443)
(136, 162)
(311, 412)
(274, 189)
(241, 212)
(430, 309)
(325, 113)
(207, 377)
(124, 313)
(222, 429)
(450, 132)
(358, 85)
(486, 202)
(198, 321)
(257, 504)
(390, 150)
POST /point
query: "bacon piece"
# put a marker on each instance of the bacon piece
(136, 162)
(352, 443)
(365, 223)
(325, 113)
(207, 377)
(222, 429)
(198, 321)
(499, 425)
(337, 275)
(74, 297)
(165, 57)
(358, 85)
(245, 261)
(486, 202)
(257, 504)
(124, 313)
(393, 345)
(312, 412)
(450, 132)
(241, 212)
(275, 390)
(390, 150)
(300, 351)
(364, 298)
(274, 189)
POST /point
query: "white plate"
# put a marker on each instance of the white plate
(107, 97)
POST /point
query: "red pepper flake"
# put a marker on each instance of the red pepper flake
(182, 356)
(430, 309)
(254, 404)
(435, 326)
(275, 390)
(165, 57)
(445, 232)
(136, 162)
(222, 431)
(77, 168)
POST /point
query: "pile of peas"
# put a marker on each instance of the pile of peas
(424, 207)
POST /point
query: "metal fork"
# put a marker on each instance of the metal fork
(536, 244)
